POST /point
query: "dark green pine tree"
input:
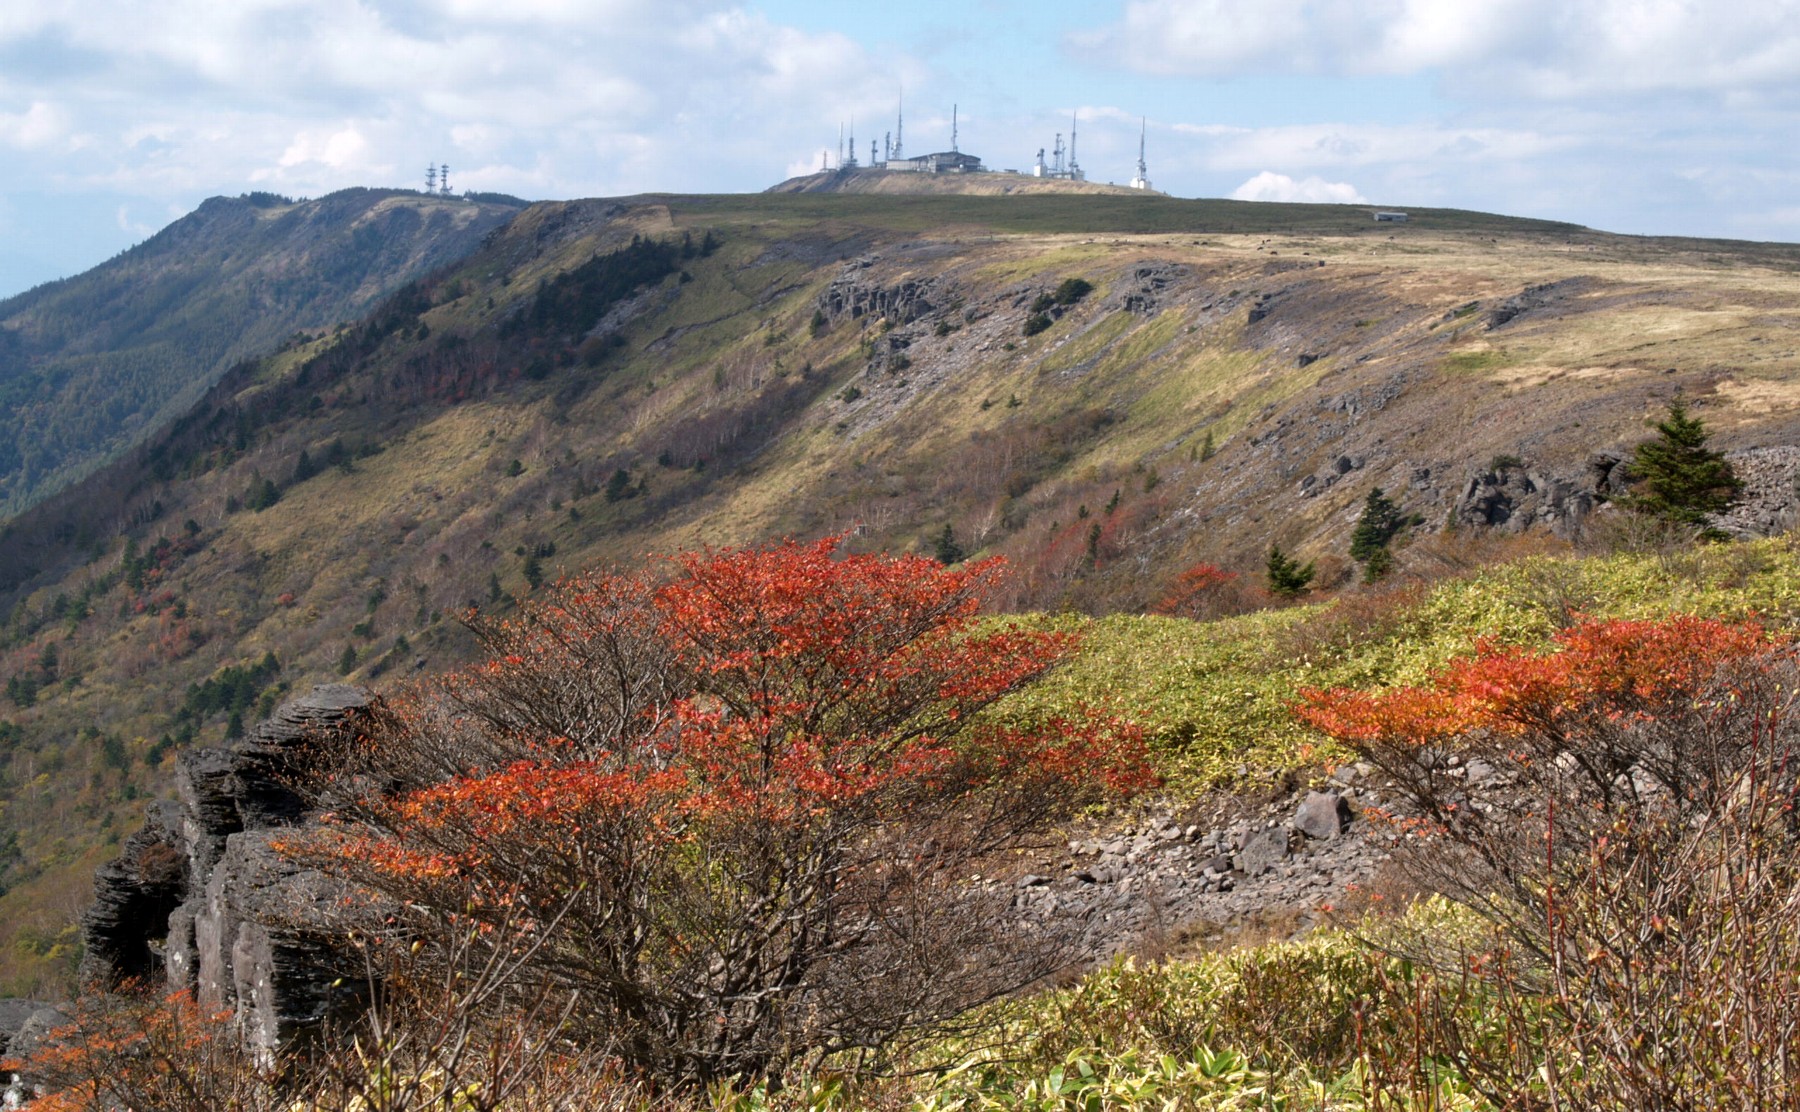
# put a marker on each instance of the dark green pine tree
(1680, 479)
(947, 550)
(1380, 522)
(1287, 577)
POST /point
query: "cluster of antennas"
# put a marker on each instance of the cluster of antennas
(889, 154)
(437, 178)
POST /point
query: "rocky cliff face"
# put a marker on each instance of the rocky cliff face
(200, 897)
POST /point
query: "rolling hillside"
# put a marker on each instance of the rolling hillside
(95, 363)
(1106, 389)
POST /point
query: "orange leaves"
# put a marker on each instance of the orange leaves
(777, 685)
(1110, 751)
(1614, 667)
(1416, 713)
(1191, 591)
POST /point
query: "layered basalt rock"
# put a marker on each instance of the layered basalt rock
(852, 294)
(201, 897)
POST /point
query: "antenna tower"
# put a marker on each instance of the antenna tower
(1075, 173)
(444, 180)
(1142, 181)
(953, 146)
(431, 177)
(900, 129)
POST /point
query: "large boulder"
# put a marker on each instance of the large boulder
(262, 942)
(1263, 851)
(1322, 815)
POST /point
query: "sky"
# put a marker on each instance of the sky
(1667, 117)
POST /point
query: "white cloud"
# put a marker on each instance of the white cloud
(127, 224)
(38, 126)
(337, 149)
(1308, 146)
(543, 97)
(1270, 186)
(1545, 49)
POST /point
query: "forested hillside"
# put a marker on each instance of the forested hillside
(93, 364)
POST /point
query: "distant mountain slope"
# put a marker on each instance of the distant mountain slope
(603, 379)
(91, 364)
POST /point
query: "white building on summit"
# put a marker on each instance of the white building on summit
(951, 161)
(889, 155)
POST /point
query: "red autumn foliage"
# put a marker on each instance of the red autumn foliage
(1616, 668)
(137, 1051)
(1201, 591)
(741, 805)
(1619, 808)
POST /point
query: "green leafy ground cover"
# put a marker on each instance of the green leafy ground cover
(1215, 696)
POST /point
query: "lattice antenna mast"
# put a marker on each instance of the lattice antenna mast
(900, 129)
(431, 177)
(1143, 128)
(851, 164)
(444, 179)
(840, 160)
(953, 146)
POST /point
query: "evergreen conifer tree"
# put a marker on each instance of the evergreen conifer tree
(947, 550)
(1380, 521)
(1287, 577)
(1680, 479)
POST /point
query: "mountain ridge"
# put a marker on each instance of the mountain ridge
(601, 379)
(93, 363)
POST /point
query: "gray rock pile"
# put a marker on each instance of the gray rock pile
(1770, 500)
(200, 896)
(1298, 856)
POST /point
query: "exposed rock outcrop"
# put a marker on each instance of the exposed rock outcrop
(852, 295)
(1516, 498)
(23, 1024)
(1534, 298)
(201, 897)
(1142, 289)
(1513, 496)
